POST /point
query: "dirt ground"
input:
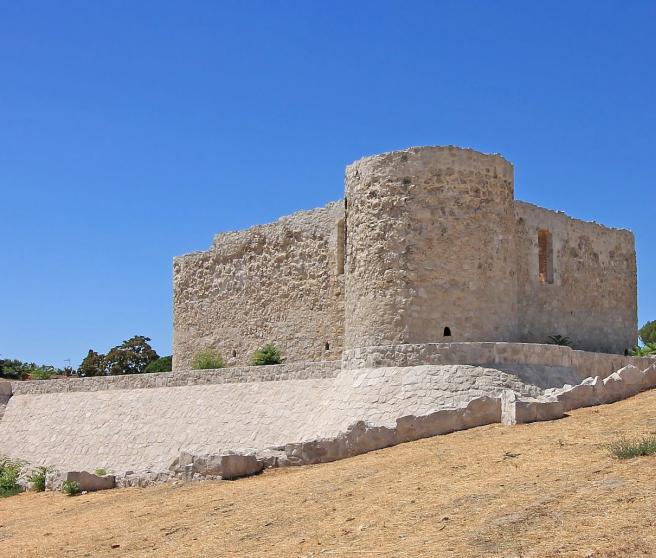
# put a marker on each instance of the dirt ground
(539, 490)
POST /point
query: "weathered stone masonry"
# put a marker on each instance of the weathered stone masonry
(428, 246)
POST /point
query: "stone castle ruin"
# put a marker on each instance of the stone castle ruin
(428, 246)
(419, 305)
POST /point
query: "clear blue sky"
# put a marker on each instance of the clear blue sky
(131, 132)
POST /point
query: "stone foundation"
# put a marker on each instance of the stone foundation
(139, 427)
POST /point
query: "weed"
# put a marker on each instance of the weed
(628, 449)
(38, 478)
(71, 488)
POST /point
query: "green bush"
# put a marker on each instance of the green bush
(560, 340)
(9, 472)
(648, 350)
(71, 488)
(269, 354)
(101, 472)
(163, 364)
(627, 449)
(38, 478)
(207, 359)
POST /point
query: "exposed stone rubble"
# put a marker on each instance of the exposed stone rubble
(624, 383)
(90, 482)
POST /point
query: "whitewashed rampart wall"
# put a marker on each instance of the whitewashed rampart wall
(143, 422)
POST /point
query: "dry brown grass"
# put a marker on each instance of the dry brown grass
(539, 490)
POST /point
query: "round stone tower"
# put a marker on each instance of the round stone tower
(430, 255)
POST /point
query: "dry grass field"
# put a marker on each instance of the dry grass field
(538, 490)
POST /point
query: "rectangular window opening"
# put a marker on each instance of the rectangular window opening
(341, 243)
(545, 249)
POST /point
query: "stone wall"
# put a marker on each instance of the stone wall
(593, 297)
(546, 364)
(103, 425)
(232, 375)
(430, 246)
(146, 429)
(277, 283)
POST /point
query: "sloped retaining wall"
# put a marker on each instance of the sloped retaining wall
(146, 429)
(154, 426)
(508, 408)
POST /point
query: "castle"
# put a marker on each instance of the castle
(428, 246)
(419, 305)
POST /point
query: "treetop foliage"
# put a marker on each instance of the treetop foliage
(130, 357)
(648, 332)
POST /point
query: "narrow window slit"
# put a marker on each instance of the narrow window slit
(341, 244)
(327, 346)
(545, 256)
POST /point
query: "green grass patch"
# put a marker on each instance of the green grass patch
(628, 449)
(208, 359)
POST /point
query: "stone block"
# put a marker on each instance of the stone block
(575, 397)
(649, 377)
(411, 427)
(234, 466)
(621, 384)
(508, 399)
(535, 410)
(5, 388)
(480, 411)
(90, 482)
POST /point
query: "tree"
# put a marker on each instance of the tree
(648, 332)
(163, 364)
(131, 357)
(92, 365)
(13, 369)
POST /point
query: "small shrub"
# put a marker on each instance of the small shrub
(269, 354)
(561, 340)
(648, 350)
(101, 472)
(207, 359)
(38, 478)
(163, 364)
(627, 449)
(9, 472)
(71, 488)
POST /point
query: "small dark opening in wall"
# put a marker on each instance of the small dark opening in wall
(447, 332)
(234, 354)
(327, 346)
(626, 352)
